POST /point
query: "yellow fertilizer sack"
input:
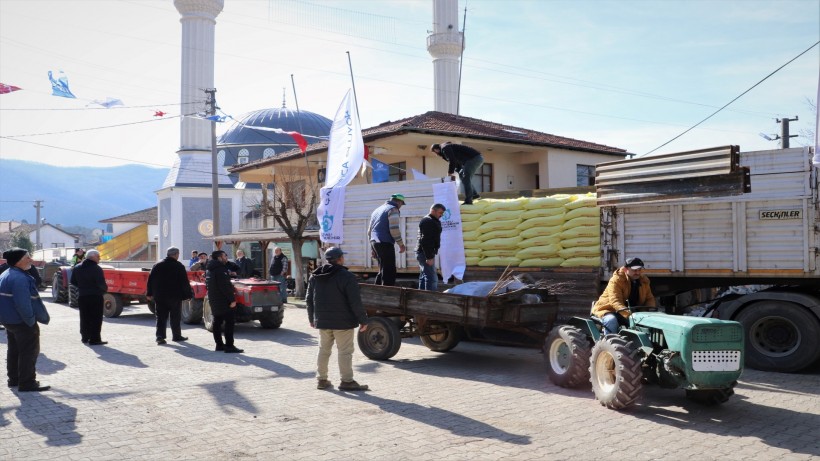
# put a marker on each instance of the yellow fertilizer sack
(586, 200)
(477, 207)
(499, 225)
(471, 236)
(501, 215)
(471, 217)
(472, 244)
(501, 253)
(546, 251)
(472, 261)
(553, 201)
(510, 243)
(580, 231)
(540, 231)
(577, 252)
(580, 222)
(541, 240)
(541, 262)
(546, 221)
(499, 234)
(505, 204)
(585, 211)
(542, 212)
(472, 252)
(588, 261)
(469, 226)
(499, 261)
(580, 242)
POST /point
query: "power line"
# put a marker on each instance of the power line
(103, 108)
(79, 130)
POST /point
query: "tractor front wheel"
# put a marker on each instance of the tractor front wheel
(615, 372)
(192, 311)
(566, 356)
(207, 315)
(59, 293)
(274, 319)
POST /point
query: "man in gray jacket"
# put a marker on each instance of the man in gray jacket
(334, 306)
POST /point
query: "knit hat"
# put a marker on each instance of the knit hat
(333, 253)
(14, 255)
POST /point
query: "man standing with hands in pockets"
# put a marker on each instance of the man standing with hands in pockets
(429, 242)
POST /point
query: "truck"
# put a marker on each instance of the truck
(727, 234)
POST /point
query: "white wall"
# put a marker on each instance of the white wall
(52, 237)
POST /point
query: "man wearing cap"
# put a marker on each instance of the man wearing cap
(384, 233)
(20, 310)
(463, 159)
(429, 242)
(89, 279)
(79, 254)
(627, 288)
(334, 306)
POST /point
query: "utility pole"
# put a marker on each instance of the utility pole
(211, 105)
(37, 245)
(784, 131)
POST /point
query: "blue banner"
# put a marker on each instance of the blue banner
(381, 171)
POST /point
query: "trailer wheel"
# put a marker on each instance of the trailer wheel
(152, 307)
(710, 396)
(192, 311)
(780, 336)
(73, 296)
(112, 305)
(274, 319)
(59, 294)
(615, 372)
(446, 338)
(207, 316)
(566, 356)
(381, 340)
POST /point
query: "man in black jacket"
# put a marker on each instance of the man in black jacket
(168, 286)
(278, 272)
(244, 264)
(334, 306)
(89, 279)
(463, 159)
(222, 300)
(429, 242)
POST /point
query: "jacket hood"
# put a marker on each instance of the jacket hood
(214, 264)
(327, 270)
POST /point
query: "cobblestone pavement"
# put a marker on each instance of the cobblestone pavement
(133, 399)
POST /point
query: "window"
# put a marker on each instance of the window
(398, 172)
(585, 175)
(242, 158)
(483, 178)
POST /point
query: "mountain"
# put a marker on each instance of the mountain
(75, 196)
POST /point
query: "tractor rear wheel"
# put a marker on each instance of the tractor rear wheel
(615, 372)
(73, 296)
(59, 293)
(446, 338)
(112, 305)
(192, 311)
(381, 340)
(274, 319)
(566, 356)
(710, 396)
(207, 316)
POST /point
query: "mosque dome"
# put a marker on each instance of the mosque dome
(242, 143)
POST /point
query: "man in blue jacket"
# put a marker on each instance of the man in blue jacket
(20, 310)
(384, 233)
(334, 305)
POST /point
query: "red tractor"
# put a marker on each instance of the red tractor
(256, 299)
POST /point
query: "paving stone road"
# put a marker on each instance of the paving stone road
(133, 399)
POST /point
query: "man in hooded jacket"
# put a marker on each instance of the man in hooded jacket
(334, 306)
(627, 288)
(222, 301)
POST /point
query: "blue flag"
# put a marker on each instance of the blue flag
(59, 87)
(381, 171)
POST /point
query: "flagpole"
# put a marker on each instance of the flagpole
(355, 98)
(299, 120)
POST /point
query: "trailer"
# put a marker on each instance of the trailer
(441, 320)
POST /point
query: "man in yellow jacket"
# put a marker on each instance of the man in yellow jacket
(627, 287)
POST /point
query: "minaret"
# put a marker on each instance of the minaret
(444, 45)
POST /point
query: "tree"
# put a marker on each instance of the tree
(808, 133)
(293, 207)
(22, 240)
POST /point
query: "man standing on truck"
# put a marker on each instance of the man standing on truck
(384, 233)
(245, 265)
(334, 305)
(627, 288)
(429, 242)
(89, 279)
(463, 159)
(201, 263)
(168, 286)
(194, 258)
(222, 300)
(279, 272)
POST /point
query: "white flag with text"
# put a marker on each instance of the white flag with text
(451, 253)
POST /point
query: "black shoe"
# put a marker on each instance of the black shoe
(161, 341)
(467, 203)
(476, 196)
(233, 350)
(180, 339)
(85, 340)
(13, 383)
(97, 343)
(219, 348)
(34, 387)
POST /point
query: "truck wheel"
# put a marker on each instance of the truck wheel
(207, 316)
(780, 336)
(566, 356)
(444, 340)
(58, 292)
(112, 305)
(274, 319)
(615, 372)
(192, 311)
(73, 296)
(710, 396)
(381, 340)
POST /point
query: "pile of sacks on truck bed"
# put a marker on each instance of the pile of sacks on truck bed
(555, 231)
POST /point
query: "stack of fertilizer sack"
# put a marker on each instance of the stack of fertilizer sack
(554, 231)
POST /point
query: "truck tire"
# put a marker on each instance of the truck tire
(192, 311)
(566, 356)
(207, 316)
(710, 396)
(445, 340)
(112, 305)
(615, 372)
(73, 296)
(59, 294)
(381, 340)
(780, 336)
(274, 319)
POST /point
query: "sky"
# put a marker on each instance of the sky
(632, 74)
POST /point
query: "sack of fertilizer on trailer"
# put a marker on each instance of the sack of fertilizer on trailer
(581, 242)
(583, 261)
(542, 262)
(575, 252)
(585, 211)
(510, 243)
(586, 200)
(553, 201)
(542, 212)
(499, 234)
(505, 204)
(472, 252)
(539, 231)
(501, 215)
(583, 221)
(472, 260)
(547, 251)
(499, 225)
(540, 240)
(476, 207)
(502, 253)
(467, 226)
(499, 261)
(545, 221)
(471, 236)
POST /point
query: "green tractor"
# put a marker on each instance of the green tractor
(704, 356)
